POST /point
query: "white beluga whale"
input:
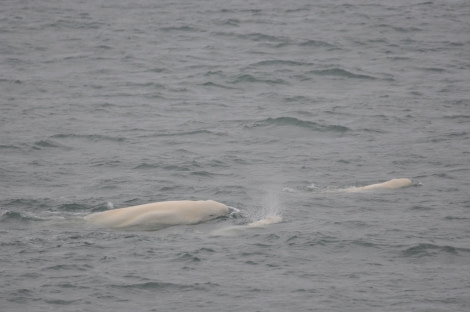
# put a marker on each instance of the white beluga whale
(159, 215)
(390, 184)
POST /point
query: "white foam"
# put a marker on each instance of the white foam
(269, 213)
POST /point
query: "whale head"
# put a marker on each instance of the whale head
(204, 210)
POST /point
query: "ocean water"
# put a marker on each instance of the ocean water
(272, 107)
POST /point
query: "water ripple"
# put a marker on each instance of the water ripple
(292, 121)
(425, 250)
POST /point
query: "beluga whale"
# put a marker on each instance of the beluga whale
(390, 184)
(159, 215)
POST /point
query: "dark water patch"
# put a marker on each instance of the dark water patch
(99, 209)
(291, 240)
(168, 188)
(176, 168)
(61, 301)
(247, 78)
(421, 207)
(48, 143)
(69, 267)
(11, 81)
(183, 28)
(433, 69)
(318, 44)
(73, 24)
(22, 295)
(206, 250)
(458, 118)
(112, 183)
(145, 166)
(152, 85)
(363, 243)
(341, 73)
(272, 237)
(238, 191)
(353, 223)
(448, 137)
(217, 73)
(462, 102)
(106, 163)
(89, 137)
(234, 22)
(399, 58)
(372, 131)
(17, 243)
(244, 78)
(165, 286)
(310, 292)
(429, 250)
(189, 133)
(73, 207)
(257, 37)
(400, 29)
(202, 173)
(299, 99)
(187, 257)
(292, 121)
(27, 204)
(318, 239)
(158, 70)
(217, 85)
(269, 40)
(9, 147)
(456, 218)
(251, 262)
(278, 63)
(84, 207)
(13, 217)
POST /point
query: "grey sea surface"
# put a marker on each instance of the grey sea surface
(272, 107)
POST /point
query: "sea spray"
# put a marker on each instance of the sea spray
(270, 207)
(269, 213)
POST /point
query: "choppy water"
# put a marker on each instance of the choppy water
(268, 106)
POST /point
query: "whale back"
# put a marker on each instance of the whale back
(160, 214)
(390, 184)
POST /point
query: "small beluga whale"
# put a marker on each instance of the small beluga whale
(154, 216)
(390, 184)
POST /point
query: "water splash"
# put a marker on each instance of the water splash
(269, 213)
(270, 209)
(233, 211)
